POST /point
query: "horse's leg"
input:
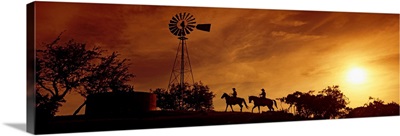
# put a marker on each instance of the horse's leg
(271, 108)
(258, 109)
(241, 106)
(231, 108)
(226, 107)
(253, 109)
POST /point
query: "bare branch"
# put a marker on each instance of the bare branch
(45, 88)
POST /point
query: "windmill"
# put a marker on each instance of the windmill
(181, 25)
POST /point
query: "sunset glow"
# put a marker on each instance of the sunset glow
(356, 76)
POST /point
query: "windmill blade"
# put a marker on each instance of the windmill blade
(204, 27)
(183, 32)
(189, 20)
(177, 17)
(174, 19)
(184, 15)
(187, 30)
(191, 23)
(176, 31)
(190, 28)
(180, 32)
(191, 16)
(180, 16)
(172, 29)
(187, 16)
(173, 22)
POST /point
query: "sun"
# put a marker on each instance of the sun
(356, 76)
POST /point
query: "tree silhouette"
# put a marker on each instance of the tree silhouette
(45, 107)
(328, 103)
(62, 68)
(197, 97)
(59, 69)
(375, 108)
(110, 75)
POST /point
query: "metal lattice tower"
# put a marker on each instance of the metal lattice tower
(182, 69)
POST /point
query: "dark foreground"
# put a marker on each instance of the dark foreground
(155, 119)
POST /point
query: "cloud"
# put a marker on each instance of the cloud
(390, 62)
(294, 36)
(284, 19)
(315, 72)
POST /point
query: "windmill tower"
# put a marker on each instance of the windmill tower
(181, 25)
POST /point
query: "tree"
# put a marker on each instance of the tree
(328, 103)
(110, 75)
(45, 107)
(375, 108)
(59, 69)
(62, 68)
(197, 97)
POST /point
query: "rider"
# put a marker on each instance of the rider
(234, 94)
(263, 95)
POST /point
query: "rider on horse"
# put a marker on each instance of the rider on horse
(234, 94)
(263, 95)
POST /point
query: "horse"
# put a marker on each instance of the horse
(262, 102)
(233, 101)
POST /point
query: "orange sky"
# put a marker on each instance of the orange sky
(281, 51)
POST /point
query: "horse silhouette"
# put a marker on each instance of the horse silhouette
(262, 102)
(233, 101)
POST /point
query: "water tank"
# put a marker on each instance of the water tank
(120, 103)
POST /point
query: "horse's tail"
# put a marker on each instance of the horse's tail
(275, 103)
(245, 103)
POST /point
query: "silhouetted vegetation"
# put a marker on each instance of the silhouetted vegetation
(375, 108)
(328, 103)
(196, 97)
(62, 68)
(110, 75)
(45, 106)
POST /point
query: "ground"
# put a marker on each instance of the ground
(155, 119)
